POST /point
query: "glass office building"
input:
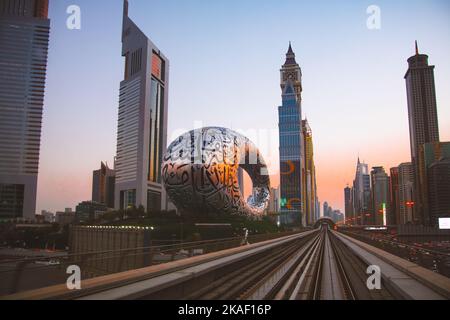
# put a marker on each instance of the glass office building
(291, 143)
(24, 38)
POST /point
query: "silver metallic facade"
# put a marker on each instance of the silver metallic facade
(142, 121)
(200, 173)
(24, 39)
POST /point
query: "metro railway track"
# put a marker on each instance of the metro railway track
(356, 272)
(314, 265)
(324, 276)
(317, 267)
(348, 277)
(327, 283)
(294, 273)
(239, 283)
(324, 269)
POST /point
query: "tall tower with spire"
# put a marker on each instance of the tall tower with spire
(361, 194)
(142, 121)
(423, 121)
(292, 73)
(292, 163)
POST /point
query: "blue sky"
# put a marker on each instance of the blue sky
(225, 57)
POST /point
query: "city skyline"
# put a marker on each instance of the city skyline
(405, 196)
(225, 149)
(262, 95)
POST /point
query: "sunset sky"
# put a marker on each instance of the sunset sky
(225, 57)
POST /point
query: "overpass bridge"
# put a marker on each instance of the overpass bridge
(319, 264)
(325, 220)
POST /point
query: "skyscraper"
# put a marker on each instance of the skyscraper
(291, 142)
(361, 194)
(394, 214)
(429, 153)
(326, 209)
(309, 176)
(348, 204)
(406, 193)
(317, 209)
(142, 124)
(24, 38)
(438, 177)
(423, 120)
(103, 183)
(380, 196)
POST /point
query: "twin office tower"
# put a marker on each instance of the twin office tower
(142, 125)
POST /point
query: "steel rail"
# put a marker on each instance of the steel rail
(268, 287)
(314, 253)
(236, 282)
(345, 280)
